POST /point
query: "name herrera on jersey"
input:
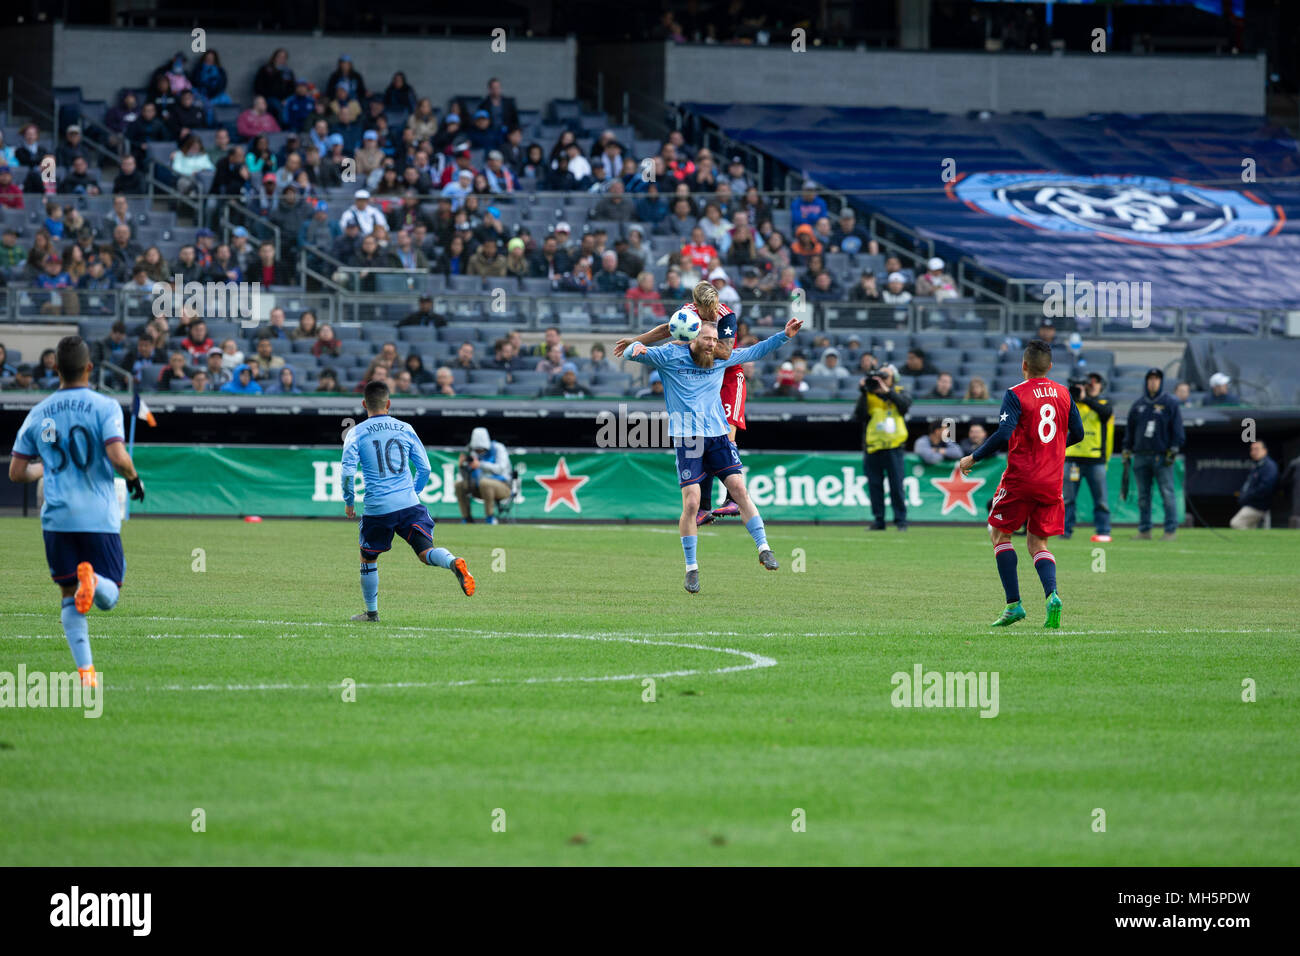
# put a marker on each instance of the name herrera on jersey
(79, 405)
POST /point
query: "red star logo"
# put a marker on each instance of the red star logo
(957, 491)
(562, 488)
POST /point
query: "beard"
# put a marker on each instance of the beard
(703, 358)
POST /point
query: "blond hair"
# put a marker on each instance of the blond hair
(706, 301)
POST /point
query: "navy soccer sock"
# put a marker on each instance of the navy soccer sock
(1005, 554)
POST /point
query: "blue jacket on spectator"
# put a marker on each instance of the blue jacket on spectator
(296, 110)
(239, 388)
(1260, 484)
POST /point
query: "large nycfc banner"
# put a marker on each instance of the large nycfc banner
(600, 485)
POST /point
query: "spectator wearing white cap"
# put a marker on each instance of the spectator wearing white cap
(365, 216)
(727, 293)
(460, 187)
(895, 290)
(935, 283)
(485, 473)
(1219, 391)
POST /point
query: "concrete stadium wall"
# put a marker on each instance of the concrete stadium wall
(103, 60)
(1065, 85)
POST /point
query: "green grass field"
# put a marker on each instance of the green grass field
(773, 693)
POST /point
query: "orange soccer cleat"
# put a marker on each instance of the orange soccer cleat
(88, 676)
(86, 581)
(466, 579)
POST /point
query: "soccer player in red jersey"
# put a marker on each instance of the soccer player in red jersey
(1038, 421)
(705, 304)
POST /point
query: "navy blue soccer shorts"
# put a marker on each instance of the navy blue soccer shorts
(64, 550)
(698, 457)
(413, 524)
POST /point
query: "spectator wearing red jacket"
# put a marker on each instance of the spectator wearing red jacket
(256, 120)
(698, 250)
(197, 343)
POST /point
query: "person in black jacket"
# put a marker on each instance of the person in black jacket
(274, 81)
(1256, 495)
(1153, 437)
(501, 109)
(130, 181)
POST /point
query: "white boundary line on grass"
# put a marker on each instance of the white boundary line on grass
(755, 661)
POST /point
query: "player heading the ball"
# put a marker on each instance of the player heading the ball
(692, 377)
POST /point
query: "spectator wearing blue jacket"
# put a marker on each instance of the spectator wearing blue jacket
(1256, 495)
(808, 208)
(242, 383)
(1152, 439)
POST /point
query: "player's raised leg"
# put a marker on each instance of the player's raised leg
(735, 483)
(729, 507)
(705, 514)
(417, 529)
(686, 527)
(1004, 553)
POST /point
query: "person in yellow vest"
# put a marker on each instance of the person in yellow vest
(882, 411)
(1086, 460)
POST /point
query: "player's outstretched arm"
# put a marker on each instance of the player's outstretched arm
(751, 353)
(658, 334)
(120, 459)
(643, 356)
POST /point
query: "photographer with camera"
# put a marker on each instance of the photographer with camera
(882, 410)
(1086, 461)
(484, 473)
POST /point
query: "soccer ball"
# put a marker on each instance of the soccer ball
(684, 325)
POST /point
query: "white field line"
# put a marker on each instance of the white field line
(754, 661)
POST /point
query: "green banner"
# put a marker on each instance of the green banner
(608, 485)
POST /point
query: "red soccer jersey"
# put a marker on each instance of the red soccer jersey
(734, 390)
(1041, 411)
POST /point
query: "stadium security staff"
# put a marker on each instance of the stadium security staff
(1152, 438)
(882, 408)
(484, 473)
(1256, 495)
(1087, 460)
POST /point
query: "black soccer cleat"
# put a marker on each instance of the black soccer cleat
(768, 560)
(366, 616)
(692, 583)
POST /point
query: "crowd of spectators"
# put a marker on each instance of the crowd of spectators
(417, 202)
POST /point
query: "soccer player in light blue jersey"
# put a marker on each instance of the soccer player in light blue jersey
(74, 440)
(385, 448)
(697, 423)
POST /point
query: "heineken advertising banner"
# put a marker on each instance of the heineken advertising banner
(608, 485)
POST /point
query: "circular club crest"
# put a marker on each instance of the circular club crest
(1141, 209)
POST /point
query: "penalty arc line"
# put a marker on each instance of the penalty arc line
(754, 662)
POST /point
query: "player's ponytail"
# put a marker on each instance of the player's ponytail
(706, 301)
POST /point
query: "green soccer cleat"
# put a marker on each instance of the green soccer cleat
(1053, 611)
(1010, 614)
